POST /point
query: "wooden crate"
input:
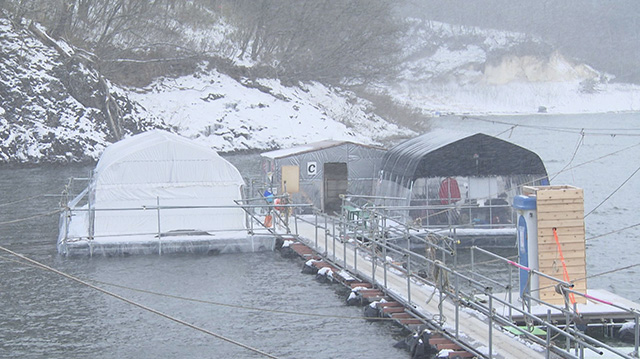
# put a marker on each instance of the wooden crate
(560, 207)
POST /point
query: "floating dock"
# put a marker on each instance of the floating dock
(421, 298)
(478, 325)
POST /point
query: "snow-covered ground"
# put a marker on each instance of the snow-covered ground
(446, 69)
(216, 110)
(452, 69)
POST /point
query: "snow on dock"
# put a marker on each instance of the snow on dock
(474, 330)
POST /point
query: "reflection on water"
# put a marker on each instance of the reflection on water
(45, 315)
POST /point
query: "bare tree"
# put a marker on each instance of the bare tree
(352, 41)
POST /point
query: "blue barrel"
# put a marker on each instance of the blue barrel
(527, 240)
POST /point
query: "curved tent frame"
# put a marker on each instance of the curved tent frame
(451, 154)
(485, 171)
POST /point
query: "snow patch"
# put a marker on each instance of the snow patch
(287, 243)
(220, 112)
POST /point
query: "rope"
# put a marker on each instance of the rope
(590, 131)
(20, 200)
(615, 231)
(203, 301)
(565, 273)
(580, 143)
(612, 193)
(32, 217)
(141, 306)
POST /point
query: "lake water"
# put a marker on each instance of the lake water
(45, 315)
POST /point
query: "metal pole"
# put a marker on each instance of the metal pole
(384, 255)
(409, 279)
(577, 339)
(547, 351)
(510, 289)
(567, 342)
(473, 265)
(441, 294)
(490, 325)
(457, 289)
(343, 224)
(373, 262)
(637, 327)
(326, 238)
(333, 235)
(159, 232)
(316, 228)
(355, 257)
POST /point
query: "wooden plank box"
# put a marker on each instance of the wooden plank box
(562, 208)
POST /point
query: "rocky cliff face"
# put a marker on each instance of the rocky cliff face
(54, 106)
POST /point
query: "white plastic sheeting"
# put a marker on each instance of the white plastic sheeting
(134, 175)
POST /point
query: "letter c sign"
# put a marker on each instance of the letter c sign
(312, 168)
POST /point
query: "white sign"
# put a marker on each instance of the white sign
(312, 168)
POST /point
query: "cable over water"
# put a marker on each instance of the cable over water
(141, 306)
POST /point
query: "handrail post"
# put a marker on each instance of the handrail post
(326, 236)
(316, 227)
(473, 265)
(355, 256)
(409, 278)
(637, 332)
(374, 260)
(344, 243)
(333, 235)
(384, 257)
(159, 231)
(548, 346)
(510, 293)
(457, 288)
(490, 324)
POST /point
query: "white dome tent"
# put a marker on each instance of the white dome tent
(153, 190)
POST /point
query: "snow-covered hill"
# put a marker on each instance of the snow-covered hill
(455, 69)
(52, 104)
(50, 107)
(228, 115)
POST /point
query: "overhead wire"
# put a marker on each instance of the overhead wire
(587, 131)
(221, 304)
(578, 145)
(20, 200)
(591, 276)
(614, 231)
(57, 211)
(136, 304)
(612, 193)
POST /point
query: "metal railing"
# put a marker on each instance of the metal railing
(251, 208)
(375, 239)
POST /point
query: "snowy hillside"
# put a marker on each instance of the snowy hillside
(40, 119)
(51, 108)
(228, 115)
(54, 108)
(451, 69)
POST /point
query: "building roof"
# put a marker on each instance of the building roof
(310, 147)
(449, 154)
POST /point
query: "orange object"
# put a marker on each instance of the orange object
(565, 273)
(267, 221)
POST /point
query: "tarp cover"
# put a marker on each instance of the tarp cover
(450, 154)
(137, 173)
